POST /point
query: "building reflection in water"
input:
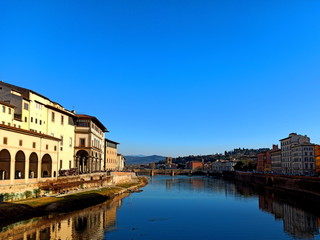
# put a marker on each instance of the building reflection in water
(92, 223)
(296, 221)
(89, 223)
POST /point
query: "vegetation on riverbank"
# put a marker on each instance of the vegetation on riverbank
(25, 209)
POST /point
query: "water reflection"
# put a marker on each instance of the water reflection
(90, 223)
(299, 219)
(296, 222)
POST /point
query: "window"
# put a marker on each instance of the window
(82, 142)
(36, 120)
(3, 109)
(38, 106)
(61, 137)
(26, 106)
(25, 119)
(34, 144)
(69, 164)
(60, 164)
(40, 121)
(31, 119)
(9, 109)
(5, 140)
(70, 142)
(20, 142)
(52, 116)
(47, 147)
(55, 148)
(62, 120)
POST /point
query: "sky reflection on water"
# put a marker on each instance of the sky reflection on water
(180, 207)
(207, 208)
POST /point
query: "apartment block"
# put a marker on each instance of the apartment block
(297, 155)
(276, 166)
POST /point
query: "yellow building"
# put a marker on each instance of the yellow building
(37, 113)
(6, 113)
(89, 144)
(39, 138)
(26, 156)
(111, 151)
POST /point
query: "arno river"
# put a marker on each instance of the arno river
(180, 207)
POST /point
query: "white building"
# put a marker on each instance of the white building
(223, 165)
(297, 155)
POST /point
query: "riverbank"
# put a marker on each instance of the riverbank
(25, 209)
(297, 186)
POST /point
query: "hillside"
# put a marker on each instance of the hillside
(131, 160)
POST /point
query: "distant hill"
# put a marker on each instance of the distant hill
(131, 160)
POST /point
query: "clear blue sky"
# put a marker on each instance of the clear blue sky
(172, 77)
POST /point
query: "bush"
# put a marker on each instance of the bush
(28, 194)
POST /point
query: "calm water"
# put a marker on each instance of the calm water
(180, 207)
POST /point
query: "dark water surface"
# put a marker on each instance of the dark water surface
(181, 207)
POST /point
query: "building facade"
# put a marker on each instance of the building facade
(317, 158)
(121, 162)
(37, 113)
(264, 160)
(223, 165)
(89, 144)
(297, 155)
(276, 166)
(111, 151)
(27, 157)
(195, 165)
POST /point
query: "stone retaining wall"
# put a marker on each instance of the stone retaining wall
(64, 184)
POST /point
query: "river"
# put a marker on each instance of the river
(180, 207)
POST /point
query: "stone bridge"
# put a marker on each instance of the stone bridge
(170, 172)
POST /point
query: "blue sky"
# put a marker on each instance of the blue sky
(172, 77)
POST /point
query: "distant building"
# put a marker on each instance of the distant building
(223, 165)
(194, 165)
(317, 158)
(168, 160)
(276, 161)
(297, 155)
(264, 160)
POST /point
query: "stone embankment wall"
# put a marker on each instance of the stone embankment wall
(306, 185)
(123, 177)
(65, 184)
